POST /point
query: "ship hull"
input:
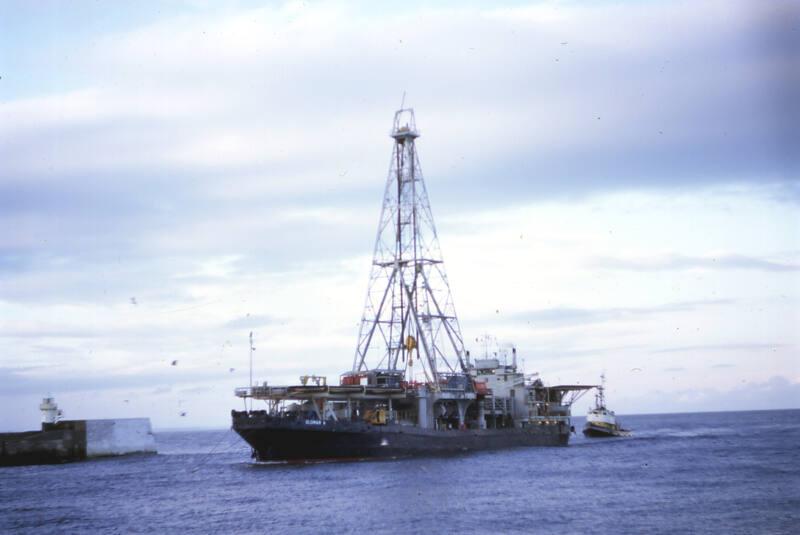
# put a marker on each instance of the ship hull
(600, 431)
(275, 439)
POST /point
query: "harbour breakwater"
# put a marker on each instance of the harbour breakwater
(76, 440)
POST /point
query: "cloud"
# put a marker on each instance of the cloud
(773, 393)
(188, 157)
(251, 322)
(683, 262)
(205, 129)
(564, 316)
(164, 101)
(721, 347)
(561, 352)
(45, 379)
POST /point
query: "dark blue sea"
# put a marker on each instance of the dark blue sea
(733, 472)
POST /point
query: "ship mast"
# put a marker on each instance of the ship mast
(600, 398)
(409, 320)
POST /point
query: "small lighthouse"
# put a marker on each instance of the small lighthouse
(50, 412)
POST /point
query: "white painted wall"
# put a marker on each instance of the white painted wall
(119, 437)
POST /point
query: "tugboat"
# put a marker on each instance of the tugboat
(412, 389)
(601, 422)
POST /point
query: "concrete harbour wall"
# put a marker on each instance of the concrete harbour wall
(75, 440)
(119, 437)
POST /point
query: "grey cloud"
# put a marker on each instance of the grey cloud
(560, 352)
(18, 381)
(195, 390)
(788, 191)
(563, 316)
(682, 262)
(108, 207)
(82, 279)
(38, 379)
(14, 261)
(684, 111)
(721, 347)
(105, 192)
(777, 392)
(47, 332)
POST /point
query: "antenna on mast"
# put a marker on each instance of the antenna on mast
(251, 357)
(251, 366)
(600, 400)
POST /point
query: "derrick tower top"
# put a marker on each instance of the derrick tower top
(409, 323)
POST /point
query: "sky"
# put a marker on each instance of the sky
(616, 188)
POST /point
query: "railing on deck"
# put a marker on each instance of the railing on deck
(548, 419)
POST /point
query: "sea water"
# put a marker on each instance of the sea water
(732, 472)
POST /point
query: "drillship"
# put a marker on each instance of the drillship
(412, 389)
(601, 422)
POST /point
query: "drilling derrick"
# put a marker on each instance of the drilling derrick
(409, 322)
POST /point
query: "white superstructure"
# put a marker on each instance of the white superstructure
(602, 416)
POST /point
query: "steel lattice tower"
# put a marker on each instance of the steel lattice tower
(409, 317)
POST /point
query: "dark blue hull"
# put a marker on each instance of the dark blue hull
(277, 439)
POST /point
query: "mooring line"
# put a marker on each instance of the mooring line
(207, 456)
